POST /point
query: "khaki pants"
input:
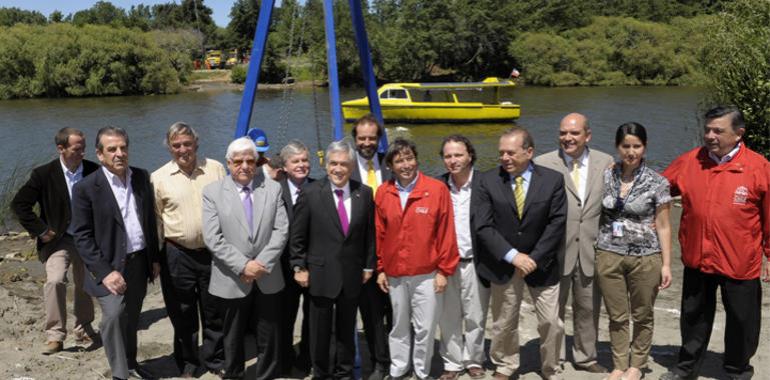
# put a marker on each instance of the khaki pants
(506, 302)
(586, 303)
(55, 293)
(624, 280)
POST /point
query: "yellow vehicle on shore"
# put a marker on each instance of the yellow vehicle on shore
(488, 101)
(214, 59)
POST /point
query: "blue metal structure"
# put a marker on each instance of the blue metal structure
(258, 51)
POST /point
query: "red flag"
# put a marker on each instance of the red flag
(515, 73)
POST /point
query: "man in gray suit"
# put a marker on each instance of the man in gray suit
(245, 227)
(582, 169)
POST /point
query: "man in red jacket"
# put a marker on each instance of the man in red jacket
(724, 231)
(416, 252)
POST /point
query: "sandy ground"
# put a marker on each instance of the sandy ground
(22, 338)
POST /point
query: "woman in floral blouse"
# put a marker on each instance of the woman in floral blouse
(633, 250)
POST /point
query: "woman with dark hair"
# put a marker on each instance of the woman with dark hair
(633, 250)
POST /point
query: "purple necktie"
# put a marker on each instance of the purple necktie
(247, 208)
(341, 211)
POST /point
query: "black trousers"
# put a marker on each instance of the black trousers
(185, 290)
(742, 302)
(377, 318)
(338, 314)
(291, 294)
(262, 313)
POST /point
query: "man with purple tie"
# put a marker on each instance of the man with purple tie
(333, 254)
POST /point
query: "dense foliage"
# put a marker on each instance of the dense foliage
(737, 60)
(65, 60)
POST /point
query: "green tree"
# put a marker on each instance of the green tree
(11, 16)
(101, 13)
(56, 16)
(737, 62)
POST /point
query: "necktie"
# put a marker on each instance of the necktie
(248, 208)
(518, 193)
(371, 177)
(341, 212)
(575, 175)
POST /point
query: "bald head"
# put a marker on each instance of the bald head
(574, 134)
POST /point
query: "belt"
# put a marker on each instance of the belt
(466, 260)
(185, 249)
(135, 254)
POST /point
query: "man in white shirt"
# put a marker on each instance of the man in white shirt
(466, 299)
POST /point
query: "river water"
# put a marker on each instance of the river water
(28, 126)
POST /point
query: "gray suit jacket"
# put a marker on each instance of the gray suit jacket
(226, 234)
(582, 222)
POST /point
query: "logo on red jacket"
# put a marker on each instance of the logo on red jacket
(741, 194)
(421, 210)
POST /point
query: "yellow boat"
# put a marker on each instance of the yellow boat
(486, 101)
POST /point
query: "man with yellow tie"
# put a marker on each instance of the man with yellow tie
(582, 169)
(374, 304)
(520, 221)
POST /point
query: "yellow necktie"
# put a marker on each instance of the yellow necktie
(371, 177)
(575, 175)
(518, 193)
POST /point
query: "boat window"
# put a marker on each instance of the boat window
(432, 95)
(398, 94)
(485, 95)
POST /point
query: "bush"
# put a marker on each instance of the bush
(737, 60)
(238, 74)
(64, 60)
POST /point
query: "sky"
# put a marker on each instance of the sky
(221, 8)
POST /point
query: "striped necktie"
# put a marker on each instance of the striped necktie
(518, 193)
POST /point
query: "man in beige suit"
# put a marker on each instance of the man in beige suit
(582, 169)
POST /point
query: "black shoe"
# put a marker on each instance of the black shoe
(377, 374)
(139, 373)
(593, 368)
(673, 376)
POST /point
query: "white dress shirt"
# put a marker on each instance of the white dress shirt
(461, 203)
(71, 177)
(727, 157)
(124, 195)
(294, 190)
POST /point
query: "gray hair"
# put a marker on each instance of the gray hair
(180, 128)
(341, 146)
(293, 147)
(241, 145)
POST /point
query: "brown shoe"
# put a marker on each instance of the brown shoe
(476, 372)
(593, 368)
(53, 347)
(500, 376)
(450, 375)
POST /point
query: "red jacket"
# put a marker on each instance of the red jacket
(725, 226)
(421, 239)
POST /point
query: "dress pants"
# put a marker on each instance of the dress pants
(120, 316)
(187, 284)
(327, 315)
(742, 300)
(290, 296)
(506, 304)
(586, 304)
(55, 293)
(634, 281)
(376, 315)
(463, 319)
(262, 313)
(414, 302)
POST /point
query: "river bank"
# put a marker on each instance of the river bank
(22, 338)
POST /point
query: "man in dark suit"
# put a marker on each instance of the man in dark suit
(521, 219)
(50, 187)
(117, 237)
(374, 303)
(332, 253)
(295, 164)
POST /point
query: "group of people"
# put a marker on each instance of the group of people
(413, 254)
